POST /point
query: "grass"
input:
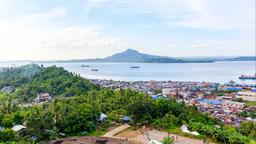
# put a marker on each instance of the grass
(3, 96)
(179, 132)
(97, 133)
(251, 103)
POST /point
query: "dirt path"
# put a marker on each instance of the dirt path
(115, 131)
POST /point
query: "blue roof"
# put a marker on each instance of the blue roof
(233, 89)
(254, 90)
(126, 118)
(156, 97)
(213, 102)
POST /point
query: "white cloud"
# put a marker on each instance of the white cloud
(172, 45)
(199, 45)
(82, 38)
(56, 12)
(201, 14)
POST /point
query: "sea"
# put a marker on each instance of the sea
(219, 72)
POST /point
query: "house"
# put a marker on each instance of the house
(8, 89)
(17, 128)
(167, 91)
(42, 97)
(126, 119)
(102, 117)
(232, 88)
(2, 128)
(156, 97)
(184, 129)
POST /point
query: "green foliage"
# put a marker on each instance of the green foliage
(32, 79)
(250, 103)
(18, 76)
(167, 140)
(7, 135)
(247, 114)
(248, 128)
(226, 134)
(238, 100)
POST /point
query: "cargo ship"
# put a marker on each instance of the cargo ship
(135, 67)
(85, 66)
(251, 77)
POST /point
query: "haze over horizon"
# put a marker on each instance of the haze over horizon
(82, 29)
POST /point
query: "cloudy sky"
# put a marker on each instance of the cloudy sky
(72, 29)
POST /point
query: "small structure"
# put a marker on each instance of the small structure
(126, 119)
(156, 97)
(42, 97)
(102, 117)
(2, 128)
(184, 129)
(207, 102)
(17, 128)
(233, 88)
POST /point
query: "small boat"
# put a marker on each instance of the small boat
(94, 69)
(85, 66)
(135, 67)
(251, 77)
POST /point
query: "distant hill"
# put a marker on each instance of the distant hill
(245, 58)
(131, 55)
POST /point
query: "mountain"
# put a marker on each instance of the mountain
(131, 55)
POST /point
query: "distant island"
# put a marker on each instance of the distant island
(131, 55)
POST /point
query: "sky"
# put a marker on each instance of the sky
(80, 29)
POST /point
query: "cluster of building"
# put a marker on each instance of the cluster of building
(8, 89)
(42, 97)
(224, 102)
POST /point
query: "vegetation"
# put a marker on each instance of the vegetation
(226, 134)
(250, 103)
(168, 140)
(77, 105)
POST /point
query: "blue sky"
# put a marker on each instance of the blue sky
(68, 29)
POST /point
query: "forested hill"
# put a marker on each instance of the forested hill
(17, 76)
(30, 80)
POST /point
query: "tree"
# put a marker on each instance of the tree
(248, 128)
(7, 135)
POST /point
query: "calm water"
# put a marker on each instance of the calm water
(220, 72)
